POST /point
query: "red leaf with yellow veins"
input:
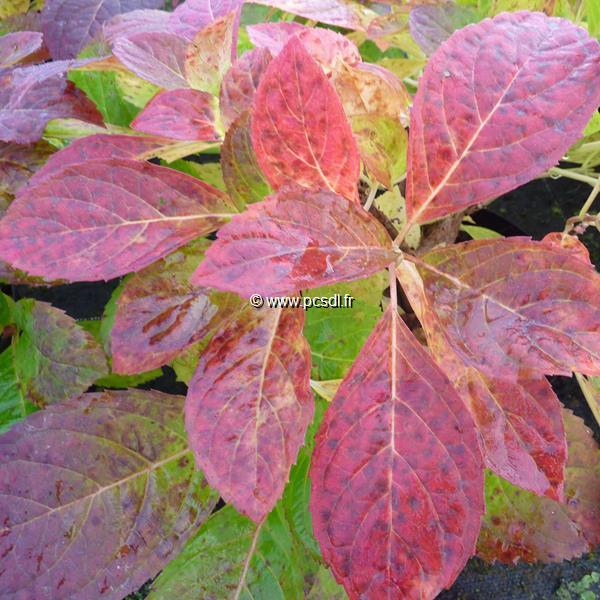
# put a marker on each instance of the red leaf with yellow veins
(97, 494)
(521, 526)
(248, 407)
(96, 147)
(397, 481)
(520, 422)
(105, 218)
(499, 103)
(185, 115)
(240, 83)
(159, 313)
(513, 305)
(292, 241)
(299, 131)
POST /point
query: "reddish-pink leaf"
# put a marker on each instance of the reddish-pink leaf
(521, 526)
(295, 240)
(397, 479)
(327, 47)
(343, 13)
(159, 313)
(299, 131)
(136, 21)
(248, 407)
(96, 147)
(499, 103)
(69, 25)
(240, 82)
(97, 494)
(568, 243)
(180, 115)
(14, 47)
(509, 305)
(104, 218)
(193, 15)
(156, 56)
(31, 96)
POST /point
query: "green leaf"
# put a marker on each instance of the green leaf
(594, 124)
(336, 335)
(209, 172)
(480, 233)
(54, 357)
(13, 405)
(592, 10)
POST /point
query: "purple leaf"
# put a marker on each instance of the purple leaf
(14, 47)
(191, 16)
(136, 21)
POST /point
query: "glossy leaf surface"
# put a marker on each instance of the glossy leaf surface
(156, 56)
(538, 304)
(240, 83)
(180, 115)
(244, 180)
(116, 457)
(295, 240)
(68, 25)
(31, 96)
(115, 216)
(14, 47)
(159, 313)
(521, 526)
(248, 406)
(299, 131)
(499, 103)
(397, 485)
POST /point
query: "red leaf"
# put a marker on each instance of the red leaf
(14, 47)
(295, 240)
(240, 82)
(31, 96)
(193, 15)
(509, 305)
(248, 407)
(180, 115)
(299, 131)
(105, 218)
(327, 47)
(156, 56)
(159, 313)
(521, 526)
(520, 422)
(499, 103)
(95, 147)
(397, 480)
(97, 494)
(69, 25)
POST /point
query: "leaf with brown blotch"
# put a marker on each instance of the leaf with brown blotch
(193, 15)
(208, 56)
(156, 56)
(295, 240)
(96, 147)
(32, 96)
(509, 306)
(118, 458)
(520, 422)
(327, 47)
(19, 163)
(397, 480)
(248, 406)
(159, 314)
(521, 526)
(366, 91)
(240, 83)
(105, 218)
(299, 131)
(184, 114)
(16, 46)
(501, 102)
(244, 180)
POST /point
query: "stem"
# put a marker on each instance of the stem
(393, 288)
(371, 196)
(589, 396)
(590, 199)
(555, 171)
(403, 233)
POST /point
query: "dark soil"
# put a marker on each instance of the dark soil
(535, 209)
